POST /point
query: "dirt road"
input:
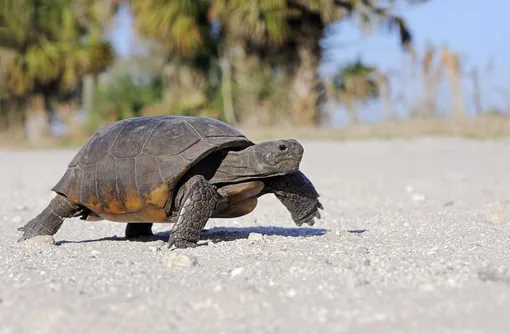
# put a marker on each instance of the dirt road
(415, 238)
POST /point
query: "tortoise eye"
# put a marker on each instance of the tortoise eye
(282, 147)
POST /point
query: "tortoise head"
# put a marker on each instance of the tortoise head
(276, 157)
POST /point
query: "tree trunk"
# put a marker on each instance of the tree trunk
(384, 87)
(477, 92)
(226, 91)
(247, 72)
(350, 104)
(88, 92)
(302, 67)
(67, 113)
(4, 125)
(302, 95)
(329, 105)
(12, 120)
(37, 123)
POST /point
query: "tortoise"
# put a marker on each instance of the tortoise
(176, 169)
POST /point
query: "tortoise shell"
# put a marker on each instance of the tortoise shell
(127, 171)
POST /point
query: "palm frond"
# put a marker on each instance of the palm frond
(371, 15)
(48, 40)
(174, 23)
(357, 81)
(263, 21)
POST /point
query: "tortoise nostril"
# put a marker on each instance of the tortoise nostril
(282, 147)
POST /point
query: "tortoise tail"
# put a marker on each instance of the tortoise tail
(48, 222)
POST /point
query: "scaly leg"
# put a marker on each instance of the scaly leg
(199, 200)
(48, 222)
(298, 195)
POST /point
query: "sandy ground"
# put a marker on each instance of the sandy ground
(414, 239)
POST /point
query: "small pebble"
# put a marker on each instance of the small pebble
(41, 240)
(427, 287)
(418, 197)
(181, 260)
(236, 271)
(157, 246)
(16, 219)
(291, 293)
(496, 215)
(253, 236)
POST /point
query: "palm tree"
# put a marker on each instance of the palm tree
(54, 46)
(256, 31)
(255, 38)
(357, 83)
(182, 28)
(181, 25)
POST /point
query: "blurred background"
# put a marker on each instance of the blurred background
(324, 67)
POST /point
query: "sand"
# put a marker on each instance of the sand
(415, 238)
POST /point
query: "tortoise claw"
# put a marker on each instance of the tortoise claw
(176, 243)
(310, 219)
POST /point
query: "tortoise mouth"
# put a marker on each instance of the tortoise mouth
(289, 165)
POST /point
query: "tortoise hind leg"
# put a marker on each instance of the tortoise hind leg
(48, 222)
(136, 230)
(199, 200)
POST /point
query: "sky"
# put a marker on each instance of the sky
(476, 29)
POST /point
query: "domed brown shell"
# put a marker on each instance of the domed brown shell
(127, 170)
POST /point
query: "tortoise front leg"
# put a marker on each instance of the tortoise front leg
(298, 195)
(48, 222)
(198, 202)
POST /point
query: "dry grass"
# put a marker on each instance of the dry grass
(487, 127)
(480, 128)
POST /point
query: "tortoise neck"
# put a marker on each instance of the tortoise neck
(236, 166)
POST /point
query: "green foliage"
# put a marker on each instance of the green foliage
(276, 32)
(124, 97)
(179, 24)
(270, 88)
(56, 42)
(356, 81)
(263, 21)
(54, 45)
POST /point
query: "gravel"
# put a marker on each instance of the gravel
(414, 239)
